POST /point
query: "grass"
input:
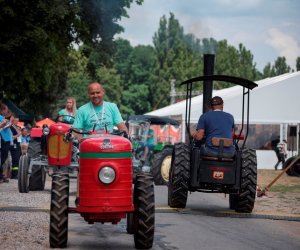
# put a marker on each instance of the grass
(284, 184)
(285, 189)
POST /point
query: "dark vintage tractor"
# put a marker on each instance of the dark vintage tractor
(192, 171)
(105, 193)
(46, 153)
(293, 170)
(158, 161)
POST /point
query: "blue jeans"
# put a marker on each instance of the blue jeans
(204, 150)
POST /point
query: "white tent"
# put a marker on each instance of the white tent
(275, 101)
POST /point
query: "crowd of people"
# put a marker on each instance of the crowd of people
(97, 114)
(13, 139)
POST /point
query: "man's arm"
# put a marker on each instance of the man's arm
(122, 126)
(199, 134)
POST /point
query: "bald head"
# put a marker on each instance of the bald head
(96, 93)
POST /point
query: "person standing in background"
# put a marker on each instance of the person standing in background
(24, 140)
(149, 145)
(67, 114)
(6, 120)
(15, 148)
(282, 153)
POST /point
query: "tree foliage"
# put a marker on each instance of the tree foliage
(280, 67)
(298, 64)
(40, 67)
(35, 39)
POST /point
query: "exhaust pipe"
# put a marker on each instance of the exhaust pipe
(208, 69)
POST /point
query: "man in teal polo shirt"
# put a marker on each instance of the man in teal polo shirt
(98, 114)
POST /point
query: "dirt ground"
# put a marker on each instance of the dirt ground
(278, 202)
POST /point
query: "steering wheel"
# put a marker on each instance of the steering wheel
(64, 120)
(120, 133)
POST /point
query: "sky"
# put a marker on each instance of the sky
(268, 28)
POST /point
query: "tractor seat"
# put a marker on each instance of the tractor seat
(215, 158)
(221, 143)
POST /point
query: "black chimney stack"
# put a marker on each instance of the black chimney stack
(208, 69)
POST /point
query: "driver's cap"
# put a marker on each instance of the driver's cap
(216, 100)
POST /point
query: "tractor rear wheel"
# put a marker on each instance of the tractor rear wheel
(23, 177)
(233, 199)
(179, 176)
(161, 166)
(246, 197)
(144, 214)
(59, 210)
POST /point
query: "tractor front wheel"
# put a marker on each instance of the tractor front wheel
(144, 214)
(59, 210)
(37, 178)
(161, 166)
(23, 177)
(179, 176)
(130, 223)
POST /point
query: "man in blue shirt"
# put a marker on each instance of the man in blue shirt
(149, 145)
(215, 124)
(6, 137)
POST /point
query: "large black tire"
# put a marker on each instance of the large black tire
(179, 176)
(144, 214)
(295, 169)
(38, 176)
(34, 147)
(233, 200)
(246, 197)
(58, 236)
(23, 177)
(130, 223)
(161, 165)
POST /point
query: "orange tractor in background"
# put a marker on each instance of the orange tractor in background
(46, 153)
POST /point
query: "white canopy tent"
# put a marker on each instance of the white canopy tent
(275, 101)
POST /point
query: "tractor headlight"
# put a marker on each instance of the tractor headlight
(107, 175)
(46, 130)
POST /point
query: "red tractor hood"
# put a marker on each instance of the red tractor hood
(105, 143)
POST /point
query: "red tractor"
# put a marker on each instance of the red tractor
(46, 153)
(105, 192)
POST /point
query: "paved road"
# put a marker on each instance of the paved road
(206, 223)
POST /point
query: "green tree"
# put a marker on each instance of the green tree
(35, 42)
(298, 63)
(122, 60)
(235, 62)
(281, 67)
(177, 58)
(134, 65)
(111, 82)
(268, 71)
(78, 78)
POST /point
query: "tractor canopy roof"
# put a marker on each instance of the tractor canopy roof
(155, 120)
(232, 79)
